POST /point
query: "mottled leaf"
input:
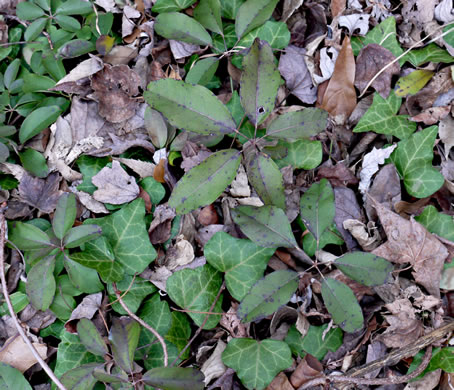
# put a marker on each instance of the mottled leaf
(276, 34)
(90, 337)
(430, 53)
(203, 71)
(413, 82)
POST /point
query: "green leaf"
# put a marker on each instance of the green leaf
(382, 118)
(259, 82)
(68, 23)
(257, 362)
(196, 289)
(442, 358)
(182, 4)
(65, 215)
(124, 337)
(229, 8)
(41, 283)
(118, 375)
(174, 25)
(203, 71)
(267, 226)
(267, 295)
(34, 29)
(4, 152)
(153, 188)
(11, 72)
(317, 207)
(34, 162)
(203, 184)
(156, 126)
(98, 254)
(298, 124)
(91, 338)
(28, 11)
(19, 301)
(71, 353)
(174, 378)
(431, 52)
(89, 166)
(342, 305)
(413, 160)
(252, 14)
(242, 261)
(302, 154)
(365, 268)
(266, 178)
(179, 332)
(208, 14)
(276, 34)
(317, 341)
(189, 107)
(136, 290)
(37, 121)
(80, 378)
(76, 236)
(413, 82)
(74, 7)
(28, 237)
(34, 83)
(11, 378)
(76, 48)
(385, 35)
(449, 38)
(83, 278)
(126, 231)
(329, 236)
(165, 6)
(63, 306)
(438, 223)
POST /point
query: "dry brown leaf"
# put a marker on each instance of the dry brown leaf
(308, 369)
(213, 367)
(18, 355)
(371, 59)
(337, 7)
(340, 95)
(115, 186)
(159, 230)
(431, 115)
(338, 175)
(281, 382)
(160, 171)
(86, 309)
(208, 216)
(410, 242)
(40, 193)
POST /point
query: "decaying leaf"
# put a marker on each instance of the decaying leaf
(18, 355)
(371, 161)
(40, 193)
(115, 186)
(410, 242)
(340, 95)
(355, 23)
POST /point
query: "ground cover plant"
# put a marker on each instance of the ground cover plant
(226, 194)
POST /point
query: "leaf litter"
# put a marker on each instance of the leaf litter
(252, 188)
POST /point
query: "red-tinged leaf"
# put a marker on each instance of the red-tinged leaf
(124, 336)
(174, 378)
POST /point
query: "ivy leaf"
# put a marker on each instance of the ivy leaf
(317, 207)
(267, 226)
(65, 215)
(438, 223)
(259, 81)
(276, 34)
(365, 268)
(91, 338)
(175, 378)
(302, 154)
(413, 160)
(203, 184)
(229, 8)
(267, 295)
(89, 166)
(342, 305)
(128, 236)
(180, 27)
(266, 178)
(413, 82)
(98, 254)
(257, 362)
(429, 53)
(179, 332)
(196, 289)
(189, 107)
(208, 14)
(124, 337)
(381, 118)
(12, 378)
(317, 341)
(41, 283)
(251, 14)
(137, 291)
(242, 261)
(441, 358)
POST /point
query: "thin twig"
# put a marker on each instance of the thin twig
(144, 324)
(374, 381)
(201, 326)
(18, 326)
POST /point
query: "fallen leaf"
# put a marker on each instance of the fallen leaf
(338, 175)
(328, 57)
(446, 133)
(128, 25)
(180, 254)
(372, 59)
(213, 367)
(114, 88)
(355, 22)
(18, 355)
(297, 77)
(182, 49)
(281, 382)
(371, 161)
(239, 186)
(40, 193)
(308, 369)
(360, 232)
(160, 170)
(444, 11)
(208, 216)
(142, 168)
(340, 95)
(86, 309)
(410, 242)
(430, 381)
(432, 115)
(337, 7)
(289, 7)
(115, 186)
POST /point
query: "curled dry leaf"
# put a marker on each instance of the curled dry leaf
(309, 368)
(371, 59)
(431, 115)
(115, 186)
(340, 95)
(18, 355)
(371, 162)
(86, 309)
(213, 367)
(410, 242)
(355, 23)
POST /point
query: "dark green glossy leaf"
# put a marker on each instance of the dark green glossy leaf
(252, 14)
(90, 337)
(175, 378)
(68, 23)
(11, 72)
(34, 162)
(28, 11)
(83, 278)
(37, 121)
(34, 29)
(12, 379)
(438, 223)
(65, 215)
(74, 7)
(41, 283)
(28, 237)
(124, 337)
(267, 295)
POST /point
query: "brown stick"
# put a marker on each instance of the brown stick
(144, 324)
(18, 326)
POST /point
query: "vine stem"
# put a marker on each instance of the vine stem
(18, 326)
(144, 324)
